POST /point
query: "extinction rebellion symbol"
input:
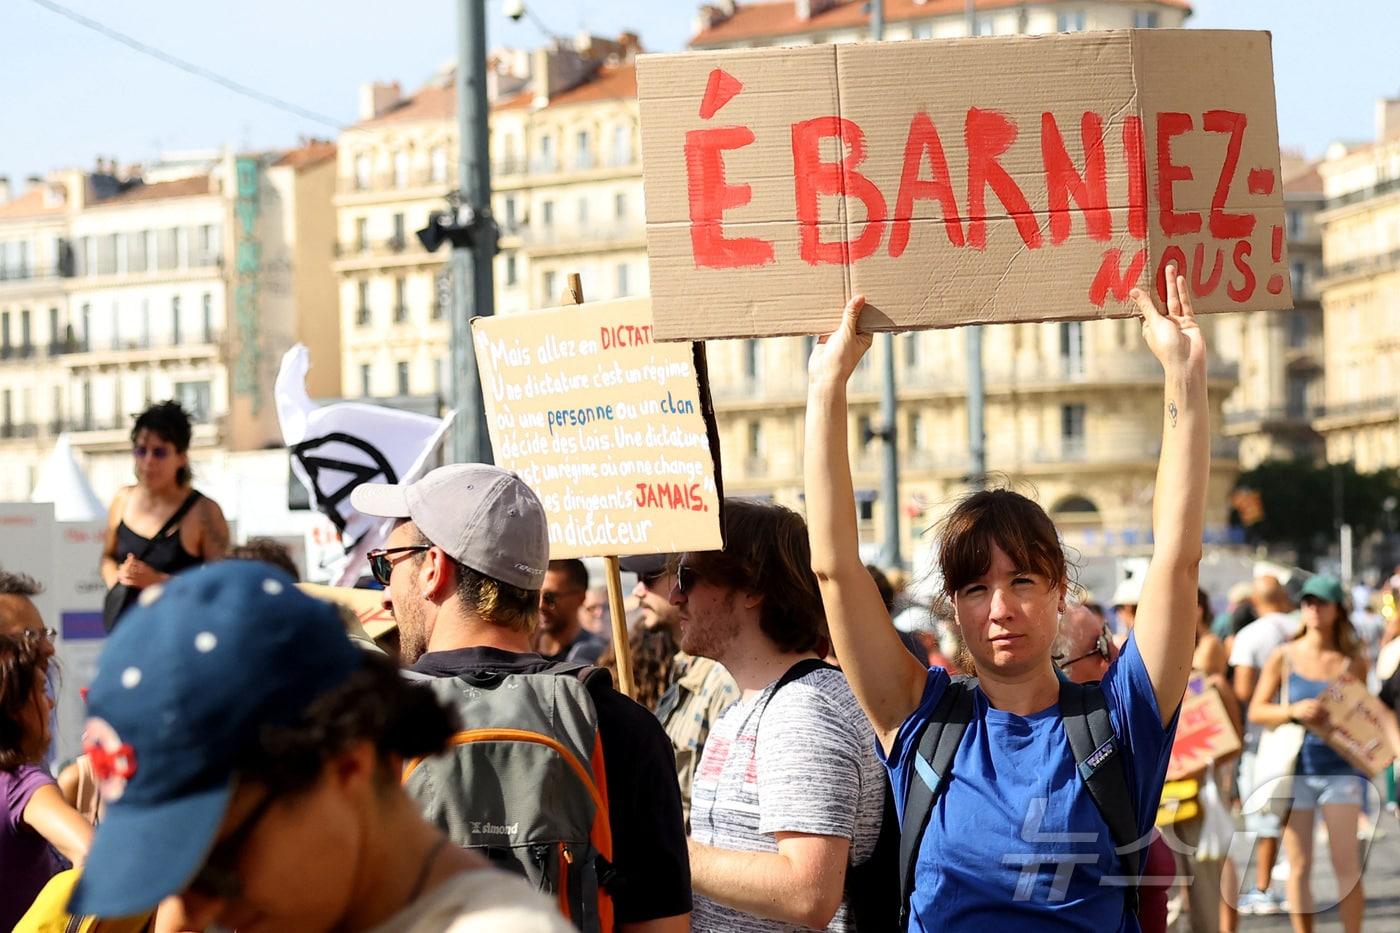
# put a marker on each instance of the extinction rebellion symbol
(328, 501)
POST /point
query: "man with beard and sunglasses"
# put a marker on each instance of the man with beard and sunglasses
(789, 795)
(463, 569)
(701, 689)
(249, 757)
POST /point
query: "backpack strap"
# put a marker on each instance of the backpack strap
(933, 763)
(802, 669)
(1099, 757)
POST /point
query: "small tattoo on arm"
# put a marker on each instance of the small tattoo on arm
(1171, 412)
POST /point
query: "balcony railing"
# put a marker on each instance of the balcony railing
(33, 273)
(559, 234)
(361, 317)
(1363, 265)
(1364, 194)
(202, 339)
(13, 430)
(1277, 414)
(1362, 408)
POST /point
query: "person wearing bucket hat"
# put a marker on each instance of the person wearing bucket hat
(1325, 650)
(248, 755)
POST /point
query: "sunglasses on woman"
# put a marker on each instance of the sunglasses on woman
(141, 452)
(219, 876)
(382, 567)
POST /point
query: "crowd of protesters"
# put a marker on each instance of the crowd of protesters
(809, 746)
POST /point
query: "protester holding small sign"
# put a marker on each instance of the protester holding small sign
(1326, 650)
(1001, 821)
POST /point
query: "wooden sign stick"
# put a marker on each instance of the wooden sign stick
(616, 611)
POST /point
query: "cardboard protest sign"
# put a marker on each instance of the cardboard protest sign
(1204, 732)
(1019, 178)
(615, 433)
(1354, 725)
(367, 605)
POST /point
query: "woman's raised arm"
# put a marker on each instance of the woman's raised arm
(886, 679)
(1166, 617)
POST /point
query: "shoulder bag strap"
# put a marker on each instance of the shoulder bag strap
(170, 523)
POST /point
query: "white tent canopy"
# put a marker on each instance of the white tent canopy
(62, 482)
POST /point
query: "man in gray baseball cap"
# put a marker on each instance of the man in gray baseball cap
(462, 571)
(471, 543)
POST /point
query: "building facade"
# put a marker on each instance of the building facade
(1073, 411)
(186, 281)
(1280, 353)
(1361, 298)
(566, 195)
(728, 25)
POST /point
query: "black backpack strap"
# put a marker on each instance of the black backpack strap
(1099, 757)
(933, 763)
(802, 669)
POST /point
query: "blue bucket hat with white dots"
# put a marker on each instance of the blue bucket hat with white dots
(183, 686)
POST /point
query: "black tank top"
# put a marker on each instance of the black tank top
(167, 555)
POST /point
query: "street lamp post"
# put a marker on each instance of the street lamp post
(472, 286)
(889, 481)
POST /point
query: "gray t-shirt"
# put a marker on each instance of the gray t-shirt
(801, 760)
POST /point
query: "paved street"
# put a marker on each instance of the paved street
(1382, 880)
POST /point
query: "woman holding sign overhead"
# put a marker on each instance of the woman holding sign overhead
(1000, 819)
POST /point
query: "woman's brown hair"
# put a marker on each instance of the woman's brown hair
(22, 665)
(1348, 642)
(766, 551)
(1013, 523)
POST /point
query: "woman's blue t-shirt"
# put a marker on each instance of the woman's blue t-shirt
(1016, 836)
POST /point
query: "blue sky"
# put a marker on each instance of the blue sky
(70, 95)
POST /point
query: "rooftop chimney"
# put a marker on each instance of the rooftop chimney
(806, 9)
(4, 188)
(378, 98)
(1387, 118)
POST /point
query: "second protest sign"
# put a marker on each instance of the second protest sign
(615, 432)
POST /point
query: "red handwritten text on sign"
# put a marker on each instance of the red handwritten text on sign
(1224, 258)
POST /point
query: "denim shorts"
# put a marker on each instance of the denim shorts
(1313, 790)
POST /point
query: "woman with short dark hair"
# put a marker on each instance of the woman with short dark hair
(1014, 834)
(159, 525)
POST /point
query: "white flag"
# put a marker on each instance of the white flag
(337, 447)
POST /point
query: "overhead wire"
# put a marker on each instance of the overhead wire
(200, 71)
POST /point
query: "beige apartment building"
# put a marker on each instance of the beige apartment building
(1361, 298)
(567, 197)
(1073, 410)
(1280, 353)
(188, 280)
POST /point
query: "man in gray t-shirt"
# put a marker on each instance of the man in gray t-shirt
(789, 792)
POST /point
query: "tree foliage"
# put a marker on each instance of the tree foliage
(1302, 504)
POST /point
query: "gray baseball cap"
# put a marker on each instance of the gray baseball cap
(484, 517)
